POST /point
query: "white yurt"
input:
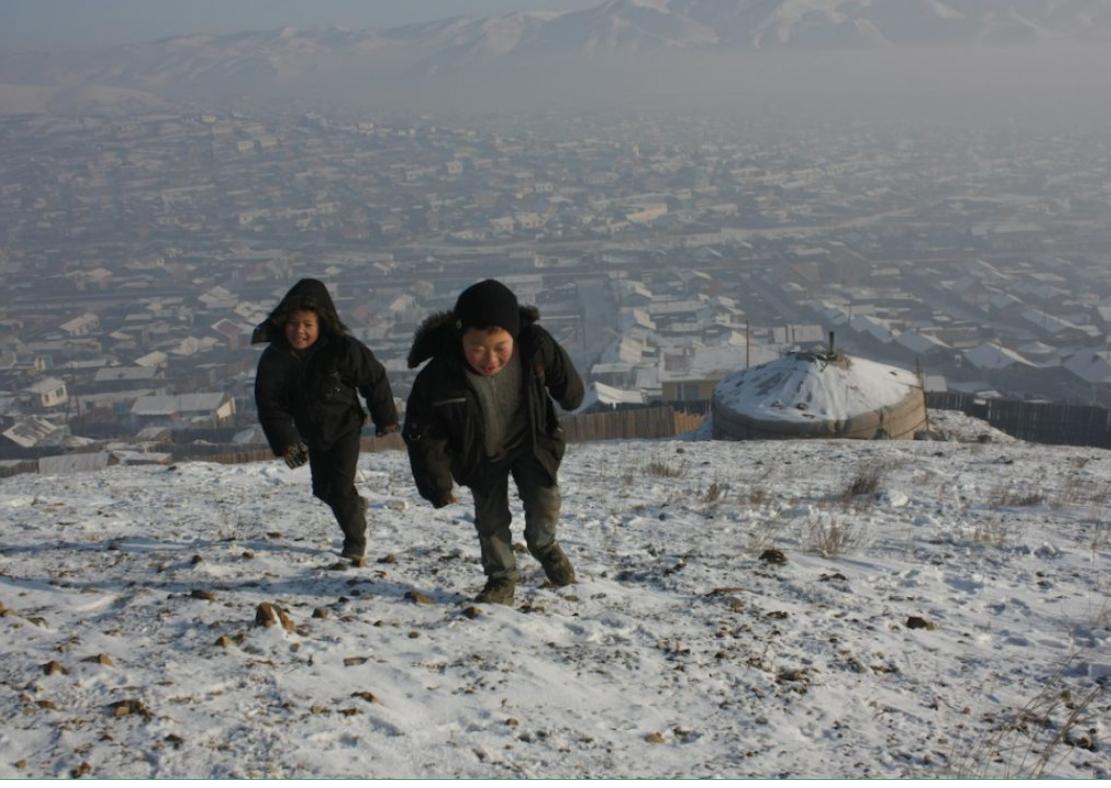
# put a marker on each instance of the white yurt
(818, 395)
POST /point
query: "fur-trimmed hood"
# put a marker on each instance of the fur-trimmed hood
(439, 335)
(309, 294)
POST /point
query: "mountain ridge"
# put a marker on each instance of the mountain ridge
(278, 61)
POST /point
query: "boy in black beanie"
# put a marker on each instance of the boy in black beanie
(480, 412)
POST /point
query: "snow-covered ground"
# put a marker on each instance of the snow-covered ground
(952, 621)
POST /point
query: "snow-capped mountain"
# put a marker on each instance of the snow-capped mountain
(765, 24)
(278, 61)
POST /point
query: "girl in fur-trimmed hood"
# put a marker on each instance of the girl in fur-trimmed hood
(306, 390)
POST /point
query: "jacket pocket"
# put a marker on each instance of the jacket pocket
(555, 444)
(454, 414)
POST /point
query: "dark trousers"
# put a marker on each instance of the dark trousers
(541, 501)
(333, 481)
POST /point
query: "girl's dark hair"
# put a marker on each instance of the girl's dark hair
(325, 314)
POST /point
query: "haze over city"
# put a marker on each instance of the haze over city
(684, 186)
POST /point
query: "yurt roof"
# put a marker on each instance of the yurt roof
(804, 387)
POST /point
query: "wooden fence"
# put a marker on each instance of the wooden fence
(228, 456)
(659, 422)
(17, 467)
(1039, 422)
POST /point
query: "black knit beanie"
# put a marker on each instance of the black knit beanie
(488, 303)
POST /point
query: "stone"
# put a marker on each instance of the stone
(52, 667)
(773, 556)
(268, 615)
(125, 708)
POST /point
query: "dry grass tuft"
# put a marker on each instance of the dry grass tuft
(829, 536)
(762, 537)
(665, 470)
(759, 496)
(1027, 740)
(1004, 495)
(992, 533)
(715, 492)
(1071, 492)
(1101, 537)
(866, 481)
(1076, 490)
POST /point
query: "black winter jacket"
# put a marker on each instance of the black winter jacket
(443, 418)
(311, 395)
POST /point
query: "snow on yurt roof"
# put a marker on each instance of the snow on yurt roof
(804, 387)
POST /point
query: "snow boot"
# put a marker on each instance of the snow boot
(557, 566)
(498, 591)
(354, 545)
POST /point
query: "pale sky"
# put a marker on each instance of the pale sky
(68, 24)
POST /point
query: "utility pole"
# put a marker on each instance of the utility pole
(922, 385)
(746, 342)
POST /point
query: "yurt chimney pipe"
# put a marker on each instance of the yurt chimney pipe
(832, 353)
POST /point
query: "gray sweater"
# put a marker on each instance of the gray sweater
(503, 408)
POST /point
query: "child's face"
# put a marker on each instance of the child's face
(487, 350)
(302, 329)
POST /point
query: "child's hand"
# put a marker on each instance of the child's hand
(446, 502)
(386, 430)
(296, 455)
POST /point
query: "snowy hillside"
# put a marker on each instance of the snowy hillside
(740, 613)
